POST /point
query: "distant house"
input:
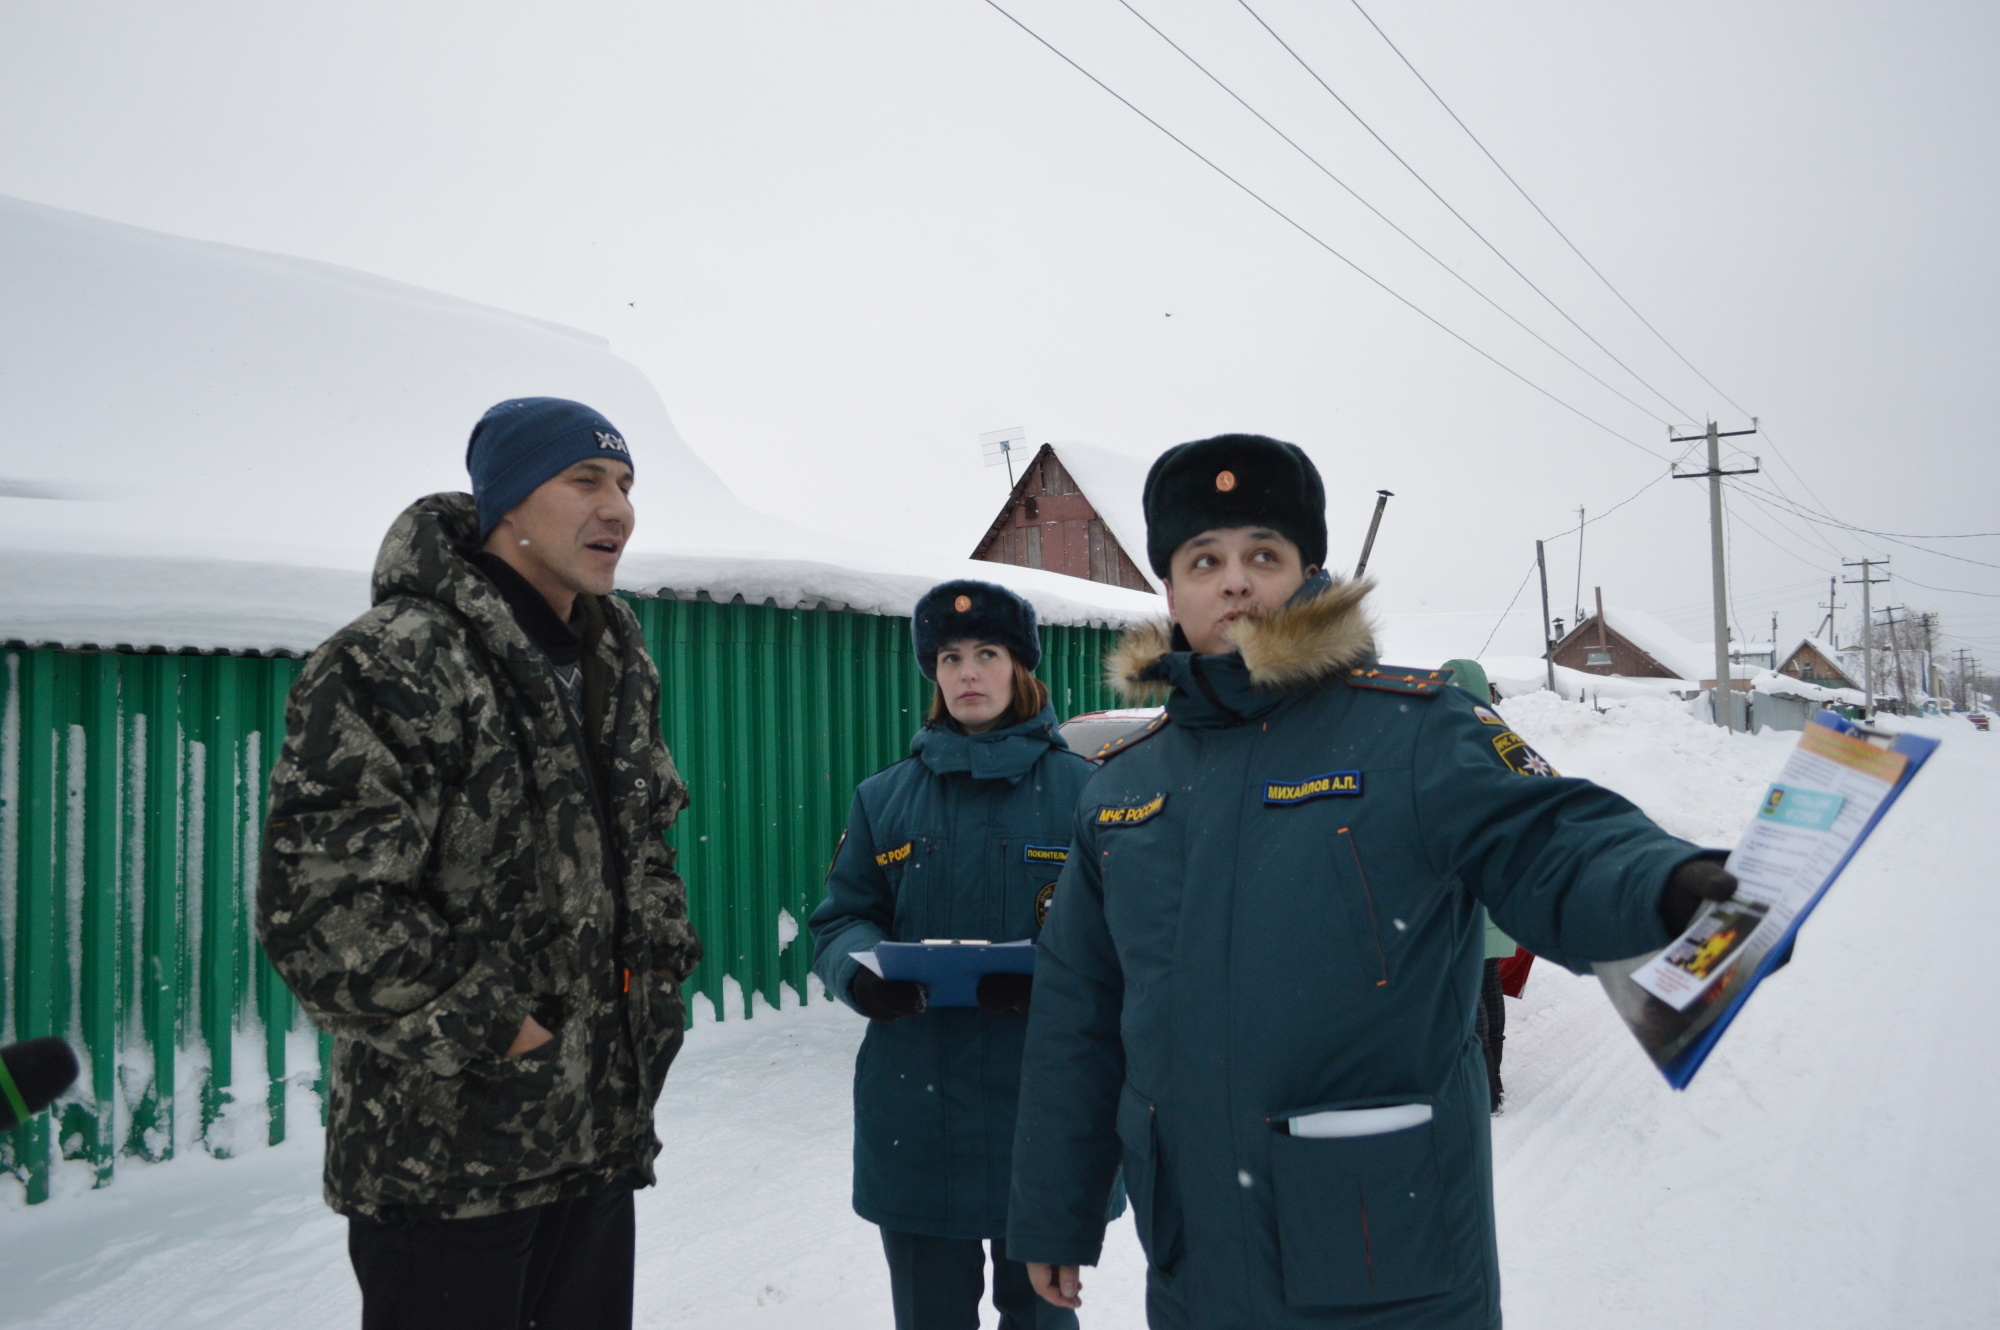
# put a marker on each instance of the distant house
(1817, 662)
(1051, 522)
(1638, 647)
(1634, 645)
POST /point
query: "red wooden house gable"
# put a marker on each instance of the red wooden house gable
(1049, 523)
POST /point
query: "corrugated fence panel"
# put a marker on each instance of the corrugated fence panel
(132, 797)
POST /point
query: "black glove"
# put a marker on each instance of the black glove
(1688, 886)
(1005, 992)
(882, 999)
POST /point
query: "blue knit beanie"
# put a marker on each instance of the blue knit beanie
(521, 443)
(979, 610)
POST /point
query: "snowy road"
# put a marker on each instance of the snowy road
(1834, 1165)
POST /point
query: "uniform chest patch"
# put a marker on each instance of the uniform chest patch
(895, 856)
(1514, 751)
(1331, 785)
(1046, 854)
(1042, 899)
(1132, 814)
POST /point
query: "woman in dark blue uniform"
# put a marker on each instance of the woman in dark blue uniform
(962, 839)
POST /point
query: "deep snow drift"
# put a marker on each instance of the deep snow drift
(202, 446)
(1832, 1166)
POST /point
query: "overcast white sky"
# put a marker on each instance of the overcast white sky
(844, 239)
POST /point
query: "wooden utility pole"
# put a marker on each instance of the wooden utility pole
(1866, 580)
(1724, 704)
(1576, 614)
(1896, 650)
(1548, 643)
(1933, 676)
(1832, 605)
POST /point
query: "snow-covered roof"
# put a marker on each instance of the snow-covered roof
(1827, 650)
(1784, 685)
(201, 446)
(1690, 660)
(1115, 484)
(1516, 675)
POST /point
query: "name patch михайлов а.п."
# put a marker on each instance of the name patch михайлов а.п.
(1330, 785)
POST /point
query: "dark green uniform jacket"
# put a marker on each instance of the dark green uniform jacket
(1272, 907)
(1470, 676)
(962, 839)
(435, 870)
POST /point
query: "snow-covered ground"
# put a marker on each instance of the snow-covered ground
(1832, 1166)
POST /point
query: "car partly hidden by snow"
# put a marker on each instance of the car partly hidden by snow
(1092, 732)
(1980, 721)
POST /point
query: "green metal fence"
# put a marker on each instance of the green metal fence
(132, 793)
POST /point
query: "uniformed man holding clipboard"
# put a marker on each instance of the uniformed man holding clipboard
(1256, 989)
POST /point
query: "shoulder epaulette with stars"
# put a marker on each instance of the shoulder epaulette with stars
(1398, 679)
(1119, 745)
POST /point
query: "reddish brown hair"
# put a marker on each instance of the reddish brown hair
(1030, 696)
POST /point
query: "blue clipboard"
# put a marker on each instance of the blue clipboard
(951, 970)
(1680, 1070)
(1679, 1041)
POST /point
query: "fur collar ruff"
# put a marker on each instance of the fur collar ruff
(1303, 643)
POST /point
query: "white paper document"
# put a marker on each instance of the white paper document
(1811, 817)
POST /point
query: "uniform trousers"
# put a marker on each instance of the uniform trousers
(566, 1265)
(1490, 1024)
(936, 1284)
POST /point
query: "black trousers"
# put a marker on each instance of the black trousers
(1491, 1025)
(936, 1284)
(566, 1265)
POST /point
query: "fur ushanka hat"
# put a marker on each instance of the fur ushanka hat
(1234, 480)
(979, 610)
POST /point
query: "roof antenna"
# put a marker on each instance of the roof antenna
(998, 446)
(1381, 502)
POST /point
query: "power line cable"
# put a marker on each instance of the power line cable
(1778, 452)
(1828, 519)
(1559, 535)
(1785, 591)
(1809, 516)
(1776, 449)
(1613, 508)
(1509, 610)
(1786, 550)
(1685, 413)
(1310, 235)
(1947, 590)
(1809, 536)
(1543, 215)
(1326, 171)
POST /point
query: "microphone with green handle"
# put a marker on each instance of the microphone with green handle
(32, 1073)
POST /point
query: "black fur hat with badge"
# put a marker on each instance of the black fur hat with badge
(1234, 480)
(982, 611)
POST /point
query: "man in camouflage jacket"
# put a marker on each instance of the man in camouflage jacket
(465, 882)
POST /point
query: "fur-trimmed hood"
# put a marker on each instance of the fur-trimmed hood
(1312, 638)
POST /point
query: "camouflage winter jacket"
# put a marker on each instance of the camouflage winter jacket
(434, 871)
